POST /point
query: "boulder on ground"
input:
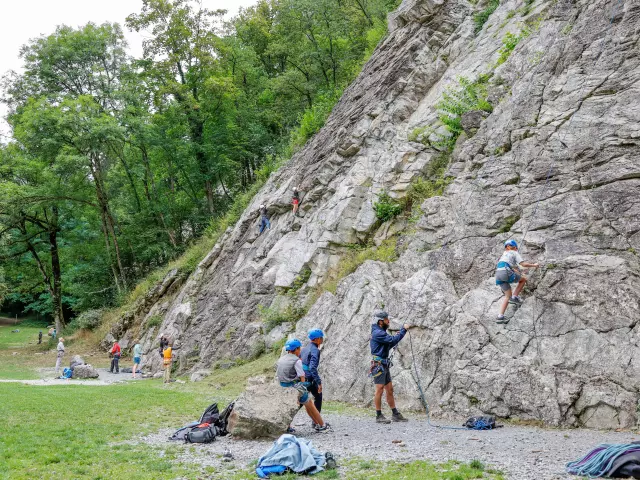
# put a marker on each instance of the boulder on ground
(76, 360)
(200, 375)
(84, 371)
(265, 409)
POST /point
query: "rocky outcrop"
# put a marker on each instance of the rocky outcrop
(553, 165)
(265, 409)
(85, 371)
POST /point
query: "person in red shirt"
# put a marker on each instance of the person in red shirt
(115, 357)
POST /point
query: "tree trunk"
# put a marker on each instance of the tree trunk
(56, 271)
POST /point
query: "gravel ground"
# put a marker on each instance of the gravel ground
(523, 453)
(49, 378)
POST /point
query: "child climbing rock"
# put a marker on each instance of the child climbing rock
(508, 272)
(295, 200)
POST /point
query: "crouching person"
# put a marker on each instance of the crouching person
(291, 374)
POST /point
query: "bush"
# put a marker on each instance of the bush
(90, 319)
(386, 207)
(154, 321)
(480, 18)
(313, 119)
(459, 100)
(509, 43)
(272, 317)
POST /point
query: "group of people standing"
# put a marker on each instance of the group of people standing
(298, 369)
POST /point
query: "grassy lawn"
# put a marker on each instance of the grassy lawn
(87, 431)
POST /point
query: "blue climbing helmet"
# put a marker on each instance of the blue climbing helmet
(316, 333)
(381, 315)
(292, 345)
(510, 243)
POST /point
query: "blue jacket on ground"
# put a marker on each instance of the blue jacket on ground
(310, 357)
(381, 342)
(289, 452)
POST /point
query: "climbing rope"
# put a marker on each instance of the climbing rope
(599, 461)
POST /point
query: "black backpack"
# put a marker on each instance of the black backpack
(223, 419)
(203, 433)
(211, 414)
(481, 422)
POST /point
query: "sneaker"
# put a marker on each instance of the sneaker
(500, 318)
(322, 428)
(382, 419)
(397, 417)
(314, 424)
(291, 430)
(515, 300)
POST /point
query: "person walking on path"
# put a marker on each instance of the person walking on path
(167, 356)
(264, 219)
(381, 344)
(291, 374)
(295, 200)
(137, 355)
(60, 354)
(310, 357)
(115, 353)
(39, 337)
(508, 272)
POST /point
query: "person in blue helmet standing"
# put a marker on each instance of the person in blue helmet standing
(508, 272)
(310, 357)
(381, 344)
(291, 374)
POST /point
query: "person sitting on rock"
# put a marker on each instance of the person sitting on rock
(290, 373)
(295, 200)
(508, 272)
(115, 353)
(264, 220)
(310, 357)
(381, 344)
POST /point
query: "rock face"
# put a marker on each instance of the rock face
(85, 371)
(265, 409)
(76, 360)
(554, 165)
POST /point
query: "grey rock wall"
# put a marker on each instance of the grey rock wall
(556, 162)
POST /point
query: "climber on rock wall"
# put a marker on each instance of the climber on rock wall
(381, 343)
(264, 220)
(295, 200)
(508, 272)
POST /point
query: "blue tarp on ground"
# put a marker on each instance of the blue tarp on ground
(296, 454)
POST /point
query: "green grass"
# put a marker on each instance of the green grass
(360, 469)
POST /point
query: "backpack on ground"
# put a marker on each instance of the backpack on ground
(481, 422)
(181, 433)
(67, 373)
(211, 414)
(223, 420)
(202, 433)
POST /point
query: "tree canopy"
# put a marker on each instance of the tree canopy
(118, 164)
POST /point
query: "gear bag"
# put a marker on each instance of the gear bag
(203, 433)
(481, 422)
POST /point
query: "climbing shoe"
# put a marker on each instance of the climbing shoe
(515, 301)
(322, 428)
(382, 419)
(499, 318)
(397, 417)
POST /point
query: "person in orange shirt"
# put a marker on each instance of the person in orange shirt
(166, 355)
(115, 353)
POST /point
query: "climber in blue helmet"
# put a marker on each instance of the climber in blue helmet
(291, 375)
(508, 272)
(381, 344)
(310, 357)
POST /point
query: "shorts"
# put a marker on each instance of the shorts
(136, 360)
(303, 393)
(383, 378)
(295, 201)
(505, 278)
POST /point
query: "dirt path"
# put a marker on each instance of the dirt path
(523, 453)
(105, 378)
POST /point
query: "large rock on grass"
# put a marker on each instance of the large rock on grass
(85, 371)
(265, 409)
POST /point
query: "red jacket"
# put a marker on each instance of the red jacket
(116, 349)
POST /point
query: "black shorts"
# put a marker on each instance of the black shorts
(384, 378)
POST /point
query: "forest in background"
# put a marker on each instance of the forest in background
(120, 168)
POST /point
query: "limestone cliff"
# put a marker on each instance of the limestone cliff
(556, 160)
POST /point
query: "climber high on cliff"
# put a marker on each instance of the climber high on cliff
(381, 343)
(295, 200)
(508, 272)
(264, 220)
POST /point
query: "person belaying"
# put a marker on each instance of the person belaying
(310, 357)
(291, 374)
(381, 344)
(508, 272)
(115, 353)
(295, 200)
(264, 220)
(167, 359)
